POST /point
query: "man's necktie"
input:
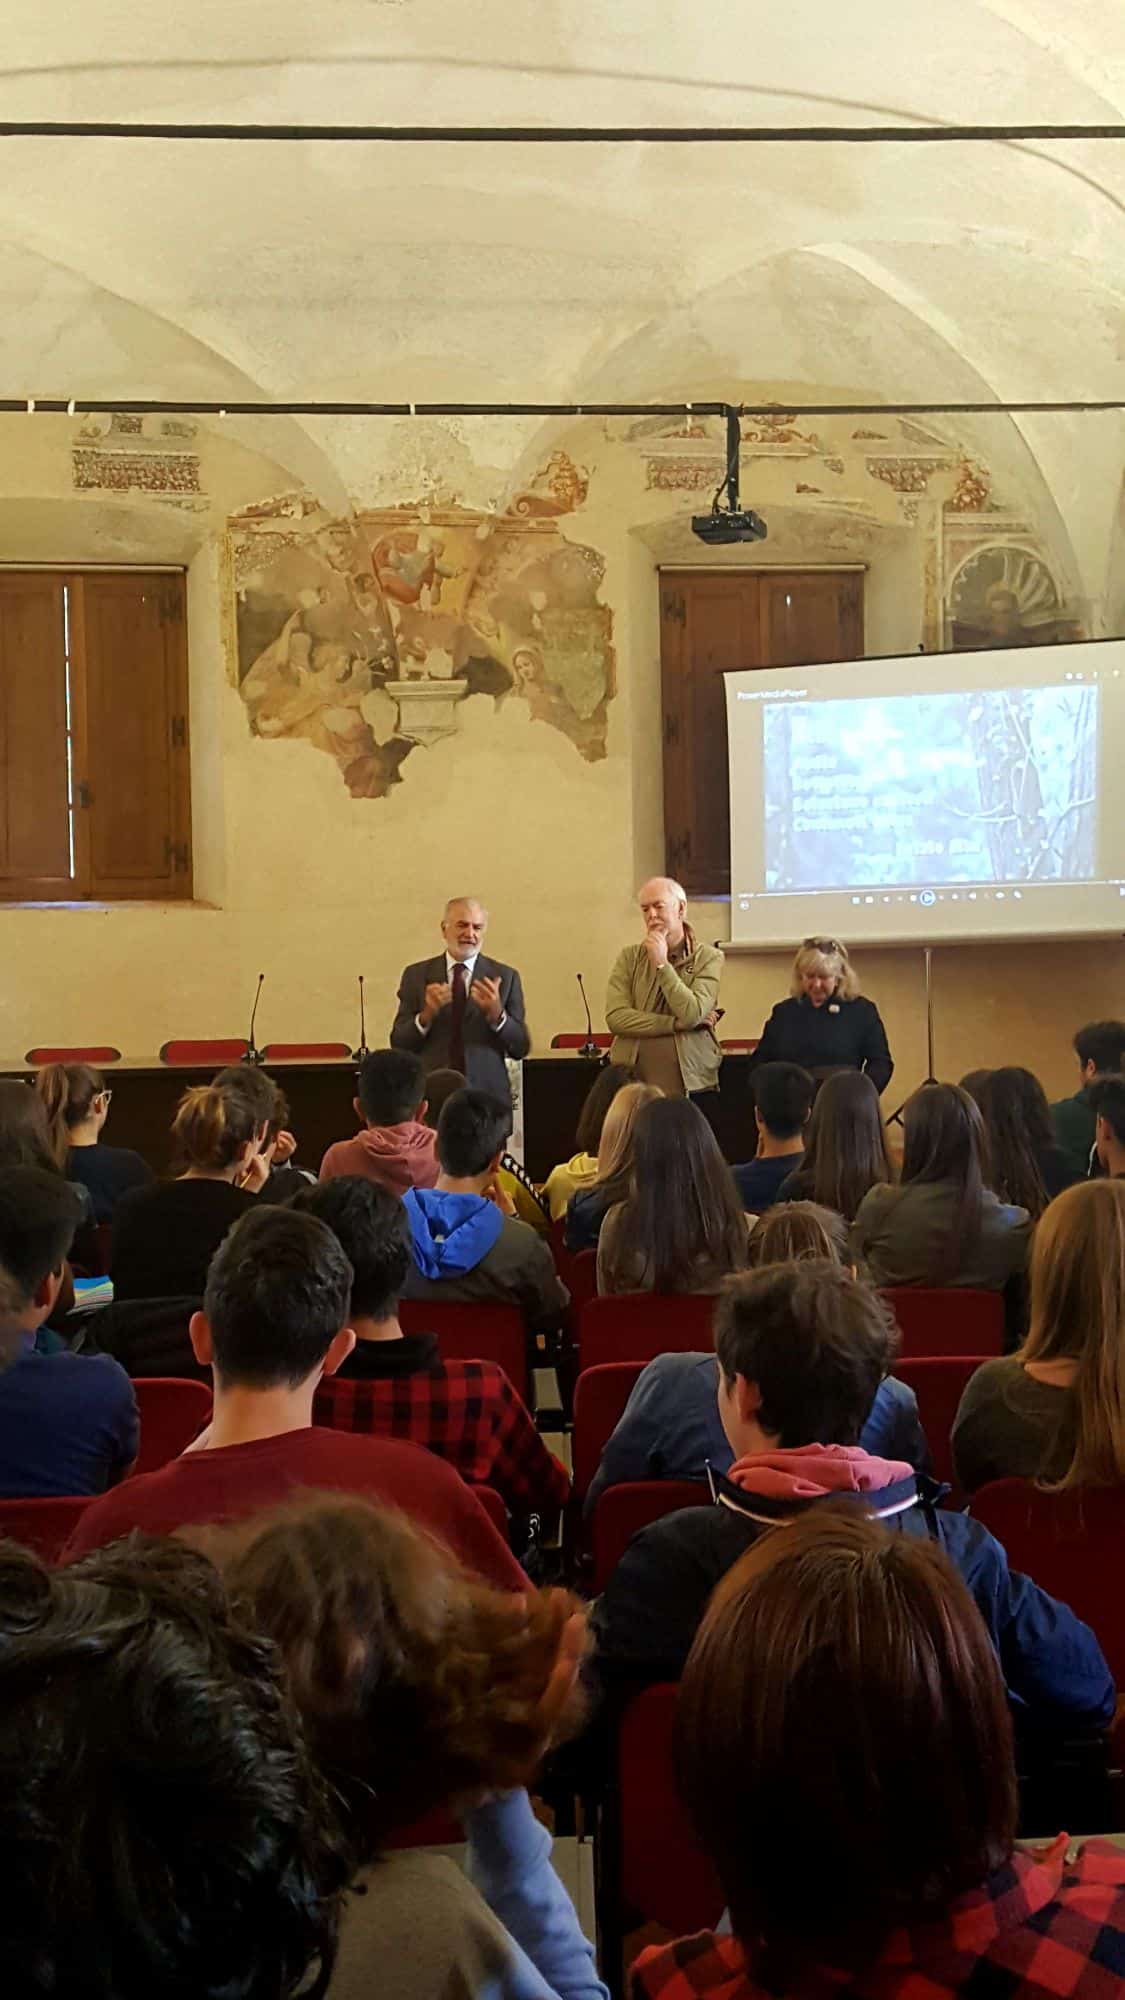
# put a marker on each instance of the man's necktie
(457, 1020)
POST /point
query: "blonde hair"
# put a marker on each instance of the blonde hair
(214, 1123)
(1078, 1314)
(827, 956)
(615, 1149)
(792, 1232)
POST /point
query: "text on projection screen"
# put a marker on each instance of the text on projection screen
(940, 795)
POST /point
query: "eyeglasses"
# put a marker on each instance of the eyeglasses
(106, 1097)
(828, 947)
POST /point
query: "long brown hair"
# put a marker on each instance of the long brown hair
(843, 1686)
(1017, 1123)
(682, 1215)
(846, 1153)
(793, 1232)
(68, 1091)
(1078, 1314)
(25, 1133)
(419, 1685)
(943, 1140)
(615, 1148)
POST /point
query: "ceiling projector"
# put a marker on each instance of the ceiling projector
(731, 523)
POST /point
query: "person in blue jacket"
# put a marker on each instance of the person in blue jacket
(801, 1350)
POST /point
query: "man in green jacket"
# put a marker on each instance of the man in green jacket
(1100, 1048)
(661, 1007)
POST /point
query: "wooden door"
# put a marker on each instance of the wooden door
(35, 840)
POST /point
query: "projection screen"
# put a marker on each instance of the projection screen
(937, 796)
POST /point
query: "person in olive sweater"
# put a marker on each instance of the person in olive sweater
(826, 1025)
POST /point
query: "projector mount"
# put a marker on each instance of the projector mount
(731, 523)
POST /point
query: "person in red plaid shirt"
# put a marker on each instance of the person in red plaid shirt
(397, 1384)
(845, 1751)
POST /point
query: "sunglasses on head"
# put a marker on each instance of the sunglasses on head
(827, 947)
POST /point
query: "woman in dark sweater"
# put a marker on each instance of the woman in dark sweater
(1027, 1167)
(825, 1024)
(77, 1103)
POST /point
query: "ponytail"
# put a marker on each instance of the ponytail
(67, 1091)
(212, 1126)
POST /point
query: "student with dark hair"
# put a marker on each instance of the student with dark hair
(77, 1100)
(671, 1427)
(68, 1422)
(395, 1384)
(846, 1146)
(164, 1237)
(1025, 1165)
(682, 1227)
(396, 1146)
(1107, 1102)
(465, 1247)
(514, 1190)
(274, 1321)
(270, 1107)
(420, 1688)
(846, 1753)
(163, 1829)
(941, 1225)
(802, 1349)
(783, 1096)
(1100, 1049)
(26, 1140)
(571, 1176)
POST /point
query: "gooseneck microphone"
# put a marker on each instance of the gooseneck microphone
(253, 1052)
(589, 1047)
(363, 1050)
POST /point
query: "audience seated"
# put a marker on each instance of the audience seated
(397, 1385)
(465, 1247)
(1055, 1411)
(783, 1095)
(274, 1321)
(1026, 1167)
(846, 1149)
(588, 1208)
(26, 1141)
(802, 1349)
(942, 1226)
(271, 1113)
(77, 1103)
(846, 1753)
(420, 1688)
(163, 1830)
(571, 1176)
(1100, 1049)
(514, 1190)
(164, 1237)
(671, 1427)
(681, 1227)
(68, 1422)
(395, 1148)
(1107, 1102)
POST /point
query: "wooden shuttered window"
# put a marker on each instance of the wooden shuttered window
(714, 622)
(94, 755)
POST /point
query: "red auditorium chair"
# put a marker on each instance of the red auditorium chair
(650, 1868)
(579, 1041)
(43, 1525)
(473, 1331)
(202, 1054)
(305, 1052)
(939, 1382)
(622, 1510)
(949, 1320)
(600, 1396)
(98, 1058)
(744, 1045)
(493, 1506)
(637, 1326)
(172, 1413)
(1068, 1543)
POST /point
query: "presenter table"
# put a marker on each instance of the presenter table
(320, 1101)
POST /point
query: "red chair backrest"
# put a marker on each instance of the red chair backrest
(579, 1041)
(622, 1510)
(600, 1396)
(473, 1331)
(96, 1057)
(1068, 1543)
(200, 1055)
(749, 1042)
(43, 1525)
(938, 1381)
(665, 1877)
(306, 1051)
(637, 1326)
(952, 1320)
(494, 1507)
(172, 1412)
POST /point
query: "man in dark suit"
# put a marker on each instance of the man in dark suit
(462, 1010)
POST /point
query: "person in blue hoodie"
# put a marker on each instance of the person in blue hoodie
(465, 1246)
(802, 1349)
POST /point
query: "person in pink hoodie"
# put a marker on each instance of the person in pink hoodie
(395, 1148)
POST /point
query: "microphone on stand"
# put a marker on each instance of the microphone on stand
(589, 1047)
(253, 1052)
(363, 1050)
